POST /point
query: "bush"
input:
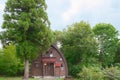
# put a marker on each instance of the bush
(74, 70)
(91, 73)
(10, 65)
(96, 73)
(112, 73)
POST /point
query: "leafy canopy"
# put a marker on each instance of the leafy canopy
(78, 46)
(26, 25)
(10, 64)
(107, 38)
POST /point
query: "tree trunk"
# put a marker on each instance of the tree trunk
(26, 70)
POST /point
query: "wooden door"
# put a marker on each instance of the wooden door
(49, 70)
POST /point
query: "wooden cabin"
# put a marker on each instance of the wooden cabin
(50, 64)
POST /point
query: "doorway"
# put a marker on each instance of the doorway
(49, 69)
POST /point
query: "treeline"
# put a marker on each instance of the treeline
(10, 64)
(27, 27)
(86, 46)
(83, 47)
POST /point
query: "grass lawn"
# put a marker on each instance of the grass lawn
(10, 78)
(19, 78)
(15, 78)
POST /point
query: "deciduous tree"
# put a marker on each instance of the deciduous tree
(107, 38)
(117, 54)
(10, 65)
(79, 45)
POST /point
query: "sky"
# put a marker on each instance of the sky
(62, 13)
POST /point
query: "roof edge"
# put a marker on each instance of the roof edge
(61, 54)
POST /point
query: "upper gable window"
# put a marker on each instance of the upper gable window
(60, 59)
(62, 67)
(51, 54)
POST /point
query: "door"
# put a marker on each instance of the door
(49, 70)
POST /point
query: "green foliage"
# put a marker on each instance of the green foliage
(107, 38)
(83, 46)
(74, 70)
(79, 45)
(26, 25)
(91, 73)
(10, 65)
(96, 73)
(112, 73)
(117, 54)
(58, 36)
(23, 49)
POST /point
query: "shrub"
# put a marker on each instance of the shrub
(96, 73)
(74, 70)
(10, 65)
(112, 73)
(91, 73)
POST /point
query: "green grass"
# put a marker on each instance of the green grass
(19, 78)
(10, 78)
(15, 78)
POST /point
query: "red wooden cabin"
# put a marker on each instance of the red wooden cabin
(50, 64)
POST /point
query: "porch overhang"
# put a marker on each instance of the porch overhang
(49, 59)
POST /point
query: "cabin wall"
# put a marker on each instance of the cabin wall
(58, 67)
(36, 67)
(59, 71)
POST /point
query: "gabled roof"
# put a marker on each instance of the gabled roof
(54, 46)
(62, 56)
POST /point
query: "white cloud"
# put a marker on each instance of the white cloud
(78, 6)
(2, 5)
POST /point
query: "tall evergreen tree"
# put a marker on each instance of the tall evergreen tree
(27, 26)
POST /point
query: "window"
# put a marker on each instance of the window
(62, 67)
(37, 65)
(60, 59)
(45, 64)
(51, 55)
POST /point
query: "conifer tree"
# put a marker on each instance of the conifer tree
(26, 25)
